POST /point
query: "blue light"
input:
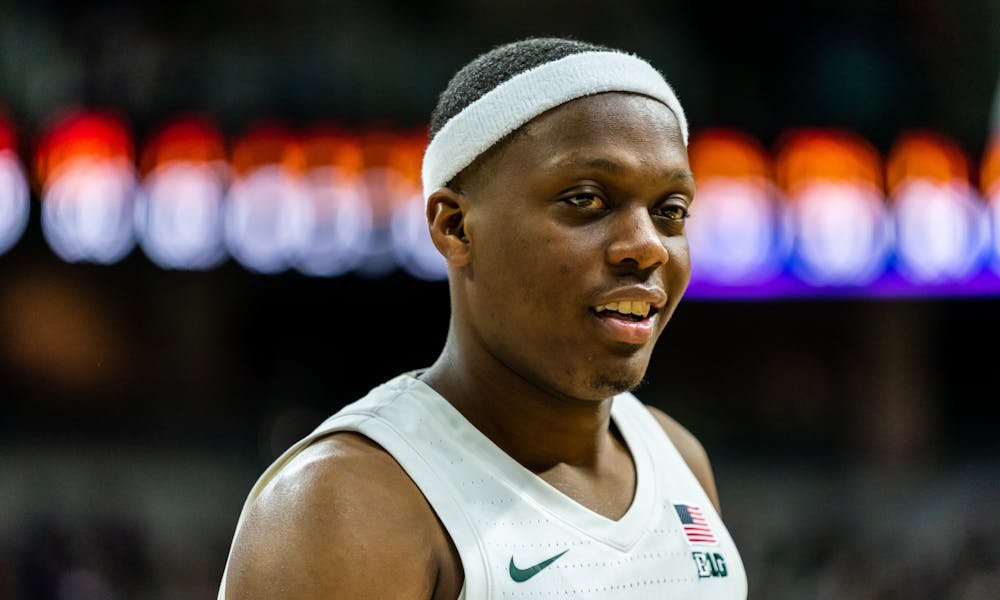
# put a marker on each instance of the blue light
(178, 216)
(843, 234)
(87, 210)
(735, 232)
(942, 231)
(341, 224)
(383, 190)
(15, 205)
(268, 218)
(993, 219)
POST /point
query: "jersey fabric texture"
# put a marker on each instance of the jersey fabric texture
(519, 537)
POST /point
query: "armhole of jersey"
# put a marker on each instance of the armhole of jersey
(660, 441)
(442, 500)
(439, 495)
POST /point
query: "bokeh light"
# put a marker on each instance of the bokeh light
(990, 185)
(179, 211)
(342, 220)
(841, 226)
(942, 232)
(411, 240)
(388, 181)
(819, 216)
(269, 212)
(14, 200)
(85, 166)
(736, 226)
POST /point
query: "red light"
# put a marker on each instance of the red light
(268, 145)
(85, 165)
(7, 139)
(191, 138)
(95, 134)
(328, 146)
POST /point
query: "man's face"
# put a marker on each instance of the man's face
(584, 210)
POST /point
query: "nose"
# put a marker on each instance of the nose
(635, 241)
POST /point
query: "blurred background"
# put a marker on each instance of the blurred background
(210, 239)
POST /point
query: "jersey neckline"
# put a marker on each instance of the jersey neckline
(622, 533)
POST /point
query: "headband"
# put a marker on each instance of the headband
(523, 97)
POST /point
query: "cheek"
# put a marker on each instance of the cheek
(528, 269)
(680, 258)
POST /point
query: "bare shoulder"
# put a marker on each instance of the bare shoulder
(342, 519)
(691, 451)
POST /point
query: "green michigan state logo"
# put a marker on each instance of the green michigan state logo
(710, 564)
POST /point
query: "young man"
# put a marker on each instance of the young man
(518, 465)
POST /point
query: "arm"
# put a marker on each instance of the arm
(342, 520)
(692, 452)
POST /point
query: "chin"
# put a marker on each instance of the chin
(612, 383)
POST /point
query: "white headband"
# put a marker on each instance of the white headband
(526, 95)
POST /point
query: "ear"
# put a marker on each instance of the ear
(446, 212)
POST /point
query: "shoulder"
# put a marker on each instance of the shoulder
(341, 518)
(691, 451)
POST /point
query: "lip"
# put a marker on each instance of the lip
(627, 330)
(655, 297)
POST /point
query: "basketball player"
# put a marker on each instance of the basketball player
(519, 465)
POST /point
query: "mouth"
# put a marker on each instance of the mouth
(630, 310)
(628, 321)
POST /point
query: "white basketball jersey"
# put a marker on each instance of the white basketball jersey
(519, 537)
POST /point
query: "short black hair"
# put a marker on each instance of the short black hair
(489, 70)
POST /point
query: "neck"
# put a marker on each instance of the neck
(537, 427)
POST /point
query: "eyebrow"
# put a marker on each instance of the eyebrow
(600, 164)
(685, 174)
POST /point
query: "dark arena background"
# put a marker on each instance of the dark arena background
(210, 239)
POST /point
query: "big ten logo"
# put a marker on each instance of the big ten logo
(710, 564)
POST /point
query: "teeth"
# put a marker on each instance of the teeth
(627, 307)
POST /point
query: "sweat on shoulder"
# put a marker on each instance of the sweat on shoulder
(519, 464)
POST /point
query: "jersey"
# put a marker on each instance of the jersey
(519, 537)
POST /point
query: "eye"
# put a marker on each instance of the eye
(674, 212)
(587, 201)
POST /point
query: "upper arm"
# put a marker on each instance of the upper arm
(341, 520)
(692, 452)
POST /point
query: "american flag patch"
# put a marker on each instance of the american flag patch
(695, 526)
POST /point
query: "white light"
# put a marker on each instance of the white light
(842, 233)
(268, 219)
(15, 204)
(940, 231)
(411, 242)
(341, 224)
(178, 215)
(383, 189)
(734, 232)
(87, 210)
